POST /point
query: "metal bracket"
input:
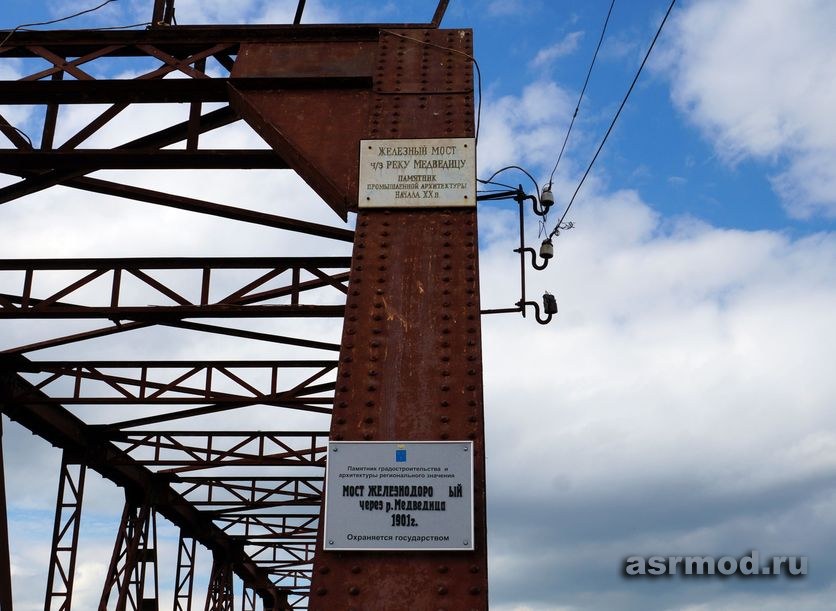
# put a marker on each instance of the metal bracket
(520, 197)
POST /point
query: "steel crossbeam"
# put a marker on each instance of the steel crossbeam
(180, 382)
(134, 281)
(182, 451)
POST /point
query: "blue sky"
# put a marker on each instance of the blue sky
(681, 403)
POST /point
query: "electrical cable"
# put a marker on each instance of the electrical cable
(468, 56)
(491, 191)
(583, 90)
(614, 119)
(510, 167)
(121, 27)
(493, 182)
(74, 15)
(22, 133)
(101, 29)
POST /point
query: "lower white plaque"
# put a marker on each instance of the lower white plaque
(411, 495)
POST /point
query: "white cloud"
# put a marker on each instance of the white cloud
(193, 12)
(505, 8)
(688, 370)
(524, 130)
(679, 402)
(562, 48)
(757, 78)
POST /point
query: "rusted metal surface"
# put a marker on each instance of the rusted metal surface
(410, 364)
(185, 40)
(419, 79)
(323, 156)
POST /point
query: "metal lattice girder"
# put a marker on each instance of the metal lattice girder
(204, 56)
(293, 561)
(140, 148)
(119, 327)
(135, 549)
(182, 451)
(184, 576)
(219, 595)
(61, 428)
(312, 92)
(266, 524)
(257, 298)
(181, 382)
(149, 147)
(61, 573)
(248, 599)
(230, 493)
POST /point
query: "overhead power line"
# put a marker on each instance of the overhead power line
(614, 119)
(51, 21)
(580, 98)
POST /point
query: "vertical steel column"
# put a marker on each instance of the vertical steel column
(410, 361)
(151, 573)
(61, 574)
(5, 558)
(163, 12)
(132, 553)
(184, 581)
(219, 596)
(248, 599)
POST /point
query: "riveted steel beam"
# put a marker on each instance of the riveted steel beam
(410, 363)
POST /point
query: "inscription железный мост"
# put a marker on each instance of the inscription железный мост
(417, 173)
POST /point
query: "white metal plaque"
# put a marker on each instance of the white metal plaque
(412, 495)
(417, 173)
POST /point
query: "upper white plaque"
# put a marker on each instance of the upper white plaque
(417, 173)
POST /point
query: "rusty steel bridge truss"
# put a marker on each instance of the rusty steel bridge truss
(406, 367)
